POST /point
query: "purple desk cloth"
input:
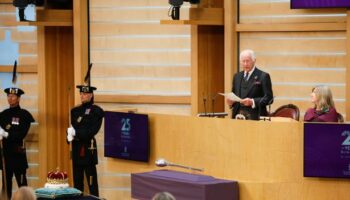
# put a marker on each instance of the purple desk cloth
(183, 186)
(72, 198)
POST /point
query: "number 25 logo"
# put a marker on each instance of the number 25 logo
(126, 124)
(347, 139)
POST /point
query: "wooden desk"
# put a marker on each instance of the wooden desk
(266, 158)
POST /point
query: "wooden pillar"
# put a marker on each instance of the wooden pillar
(231, 44)
(55, 72)
(80, 24)
(207, 64)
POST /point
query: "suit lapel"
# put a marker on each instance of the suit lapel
(240, 79)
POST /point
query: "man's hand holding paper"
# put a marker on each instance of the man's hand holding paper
(231, 96)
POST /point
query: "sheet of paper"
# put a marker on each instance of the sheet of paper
(231, 96)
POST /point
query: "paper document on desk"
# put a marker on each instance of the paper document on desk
(231, 96)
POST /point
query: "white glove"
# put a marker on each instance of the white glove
(69, 137)
(3, 133)
(71, 131)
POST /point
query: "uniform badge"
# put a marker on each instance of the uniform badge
(87, 111)
(15, 121)
(79, 119)
(8, 126)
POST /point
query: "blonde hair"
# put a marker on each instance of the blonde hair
(24, 193)
(163, 196)
(324, 97)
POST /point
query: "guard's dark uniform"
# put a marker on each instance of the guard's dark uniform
(16, 121)
(86, 119)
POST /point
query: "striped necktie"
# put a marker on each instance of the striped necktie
(246, 75)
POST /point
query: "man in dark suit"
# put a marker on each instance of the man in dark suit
(86, 120)
(253, 86)
(14, 126)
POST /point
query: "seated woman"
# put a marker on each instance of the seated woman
(323, 110)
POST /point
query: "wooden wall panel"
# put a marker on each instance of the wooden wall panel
(267, 11)
(292, 90)
(123, 3)
(110, 14)
(141, 86)
(28, 48)
(7, 8)
(156, 56)
(7, 17)
(24, 36)
(7, 13)
(141, 70)
(28, 59)
(109, 29)
(133, 54)
(141, 42)
(2, 34)
(153, 108)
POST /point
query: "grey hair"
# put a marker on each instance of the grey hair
(163, 196)
(248, 52)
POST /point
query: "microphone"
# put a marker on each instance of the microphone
(213, 98)
(270, 102)
(259, 108)
(162, 163)
(205, 105)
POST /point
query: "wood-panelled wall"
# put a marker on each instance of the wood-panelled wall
(137, 60)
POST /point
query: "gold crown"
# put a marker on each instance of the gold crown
(57, 177)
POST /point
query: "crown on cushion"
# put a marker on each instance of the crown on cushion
(57, 177)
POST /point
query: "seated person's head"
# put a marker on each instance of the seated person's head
(163, 196)
(322, 98)
(24, 193)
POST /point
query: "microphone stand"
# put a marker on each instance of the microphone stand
(205, 105)
(259, 109)
(213, 98)
(269, 114)
(270, 102)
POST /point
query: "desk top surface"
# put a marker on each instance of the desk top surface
(183, 177)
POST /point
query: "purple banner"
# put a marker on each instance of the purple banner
(327, 150)
(320, 4)
(126, 136)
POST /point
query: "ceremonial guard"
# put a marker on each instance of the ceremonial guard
(86, 120)
(14, 126)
